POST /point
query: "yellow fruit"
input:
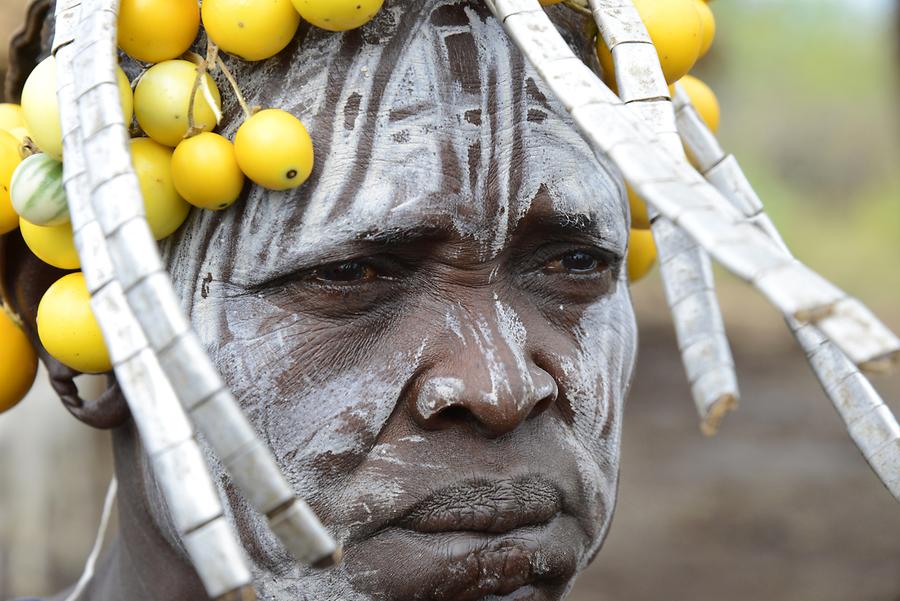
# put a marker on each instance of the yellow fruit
(708, 22)
(274, 150)
(18, 362)
(550, 2)
(250, 29)
(9, 160)
(206, 173)
(338, 15)
(641, 254)
(703, 99)
(68, 329)
(19, 133)
(606, 63)
(11, 116)
(126, 96)
(162, 97)
(640, 220)
(166, 210)
(157, 30)
(41, 111)
(52, 244)
(676, 31)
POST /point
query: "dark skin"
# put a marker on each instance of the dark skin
(437, 356)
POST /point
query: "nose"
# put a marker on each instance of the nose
(494, 387)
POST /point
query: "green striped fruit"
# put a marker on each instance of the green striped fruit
(37, 193)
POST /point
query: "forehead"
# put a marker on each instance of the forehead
(432, 117)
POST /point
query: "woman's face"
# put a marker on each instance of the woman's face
(434, 335)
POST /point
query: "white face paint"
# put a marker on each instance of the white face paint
(470, 357)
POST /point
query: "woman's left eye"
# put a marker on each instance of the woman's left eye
(348, 272)
(576, 262)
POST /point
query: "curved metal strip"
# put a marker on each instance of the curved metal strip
(850, 325)
(164, 428)
(869, 421)
(676, 190)
(685, 267)
(116, 200)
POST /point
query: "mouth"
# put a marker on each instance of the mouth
(502, 539)
(487, 507)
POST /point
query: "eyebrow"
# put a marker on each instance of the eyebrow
(400, 236)
(345, 245)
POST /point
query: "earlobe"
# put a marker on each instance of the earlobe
(105, 412)
(23, 280)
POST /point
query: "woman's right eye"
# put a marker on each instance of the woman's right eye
(346, 273)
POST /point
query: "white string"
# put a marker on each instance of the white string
(88, 573)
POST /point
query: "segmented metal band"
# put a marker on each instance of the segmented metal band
(685, 267)
(158, 360)
(677, 191)
(871, 424)
(165, 430)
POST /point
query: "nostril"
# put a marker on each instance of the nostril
(541, 406)
(449, 416)
(455, 414)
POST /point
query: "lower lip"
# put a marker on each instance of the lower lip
(531, 563)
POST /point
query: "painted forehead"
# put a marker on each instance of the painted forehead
(430, 116)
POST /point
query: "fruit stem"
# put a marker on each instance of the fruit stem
(192, 129)
(4, 308)
(578, 6)
(28, 148)
(200, 83)
(234, 86)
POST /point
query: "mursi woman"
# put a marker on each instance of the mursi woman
(434, 334)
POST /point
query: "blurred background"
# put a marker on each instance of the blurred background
(780, 505)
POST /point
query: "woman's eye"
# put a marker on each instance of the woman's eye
(576, 262)
(349, 272)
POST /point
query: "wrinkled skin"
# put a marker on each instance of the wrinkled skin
(434, 335)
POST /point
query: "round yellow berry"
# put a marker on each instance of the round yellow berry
(40, 109)
(274, 150)
(708, 21)
(126, 96)
(640, 219)
(162, 97)
(251, 30)
(675, 29)
(68, 329)
(641, 254)
(11, 116)
(206, 173)
(9, 160)
(157, 30)
(338, 15)
(52, 244)
(166, 210)
(703, 99)
(18, 361)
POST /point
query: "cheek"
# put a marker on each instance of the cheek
(596, 379)
(597, 376)
(314, 391)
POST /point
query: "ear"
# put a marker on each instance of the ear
(23, 280)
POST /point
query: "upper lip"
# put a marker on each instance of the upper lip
(495, 506)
